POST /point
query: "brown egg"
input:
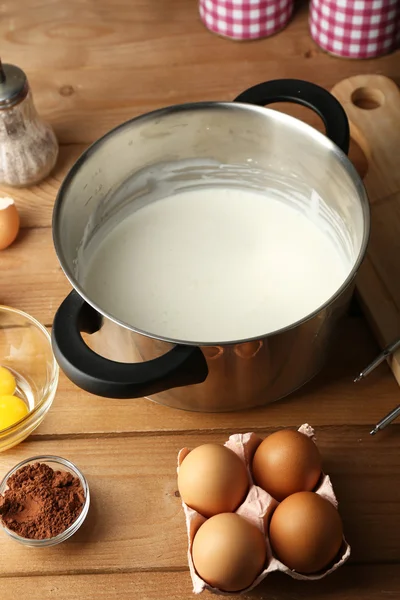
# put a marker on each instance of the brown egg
(306, 532)
(212, 479)
(229, 552)
(9, 222)
(286, 462)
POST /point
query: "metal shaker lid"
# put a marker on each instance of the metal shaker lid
(13, 85)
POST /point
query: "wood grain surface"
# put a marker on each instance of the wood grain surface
(93, 65)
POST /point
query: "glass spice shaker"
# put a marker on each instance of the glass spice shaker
(28, 146)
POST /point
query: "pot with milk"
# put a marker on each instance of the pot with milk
(212, 248)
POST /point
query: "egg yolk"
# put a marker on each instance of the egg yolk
(12, 409)
(7, 382)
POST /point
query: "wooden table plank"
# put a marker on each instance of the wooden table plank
(150, 35)
(31, 278)
(349, 583)
(114, 64)
(136, 520)
(91, 111)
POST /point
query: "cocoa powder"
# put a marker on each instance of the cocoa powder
(41, 503)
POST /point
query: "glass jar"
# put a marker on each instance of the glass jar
(28, 146)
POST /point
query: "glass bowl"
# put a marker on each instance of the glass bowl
(25, 349)
(57, 464)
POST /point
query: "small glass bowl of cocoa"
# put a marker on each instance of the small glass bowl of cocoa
(43, 501)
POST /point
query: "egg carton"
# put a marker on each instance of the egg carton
(258, 508)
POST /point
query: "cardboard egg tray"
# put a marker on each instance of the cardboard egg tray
(258, 508)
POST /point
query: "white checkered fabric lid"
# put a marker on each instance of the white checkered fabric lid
(245, 19)
(356, 28)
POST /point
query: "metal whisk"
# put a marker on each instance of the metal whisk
(375, 363)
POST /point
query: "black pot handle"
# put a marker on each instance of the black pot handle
(183, 365)
(308, 94)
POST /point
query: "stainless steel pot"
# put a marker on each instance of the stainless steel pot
(257, 146)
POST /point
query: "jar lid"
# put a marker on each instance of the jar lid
(13, 83)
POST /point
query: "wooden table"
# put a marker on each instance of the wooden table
(93, 65)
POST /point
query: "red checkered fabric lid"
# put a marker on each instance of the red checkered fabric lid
(245, 19)
(356, 28)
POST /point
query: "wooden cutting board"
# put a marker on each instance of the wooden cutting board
(372, 104)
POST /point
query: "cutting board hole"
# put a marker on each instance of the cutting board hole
(367, 98)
